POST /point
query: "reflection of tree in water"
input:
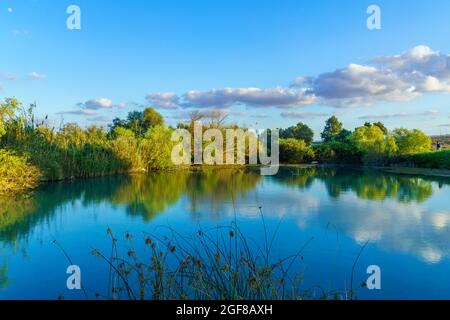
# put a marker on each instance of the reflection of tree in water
(149, 195)
(212, 188)
(366, 184)
(18, 214)
(296, 177)
(4, 280)
(142, 195)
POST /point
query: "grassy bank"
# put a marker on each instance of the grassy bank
(430, 160)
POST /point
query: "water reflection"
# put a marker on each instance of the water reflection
(399, 213)
(365, 184)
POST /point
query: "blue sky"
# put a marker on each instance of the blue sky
(240, 56)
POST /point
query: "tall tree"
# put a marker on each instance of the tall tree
(332, 129)
(381, 125)
(300, 132)
(139, 122)
(152, 118)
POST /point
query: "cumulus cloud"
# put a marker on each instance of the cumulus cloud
(96, 104)
(228, 97)
(361, 85)
(165, 100)
(252, 97)
(420, 59)
(400, 77)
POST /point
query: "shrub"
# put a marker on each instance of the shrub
(16, 173)
(295, 151)
(433, 160)
(337, 152)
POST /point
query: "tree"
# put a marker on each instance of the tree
(371, 141)
(152, 118)
(332, 129)
(380, 125)
(412, 141)
(300, 132)
(344, 136)
(139, 122)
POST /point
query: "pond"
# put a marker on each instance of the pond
(403, 221)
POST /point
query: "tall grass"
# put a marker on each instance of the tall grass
(37, 151)
(215, 264)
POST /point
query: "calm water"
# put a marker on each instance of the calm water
(406, 220)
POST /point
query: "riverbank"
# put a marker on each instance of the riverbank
(430, 172)
(416, 171)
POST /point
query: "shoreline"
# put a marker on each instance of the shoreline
(429, 172)
(442, 173)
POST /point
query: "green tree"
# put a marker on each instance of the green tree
(152, 118)
(380, 125)
(332, 129)
(372, 142)
(300, 132)
(412, 141)
(139, 122)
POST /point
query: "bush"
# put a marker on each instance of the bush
(338, 152)
(433, 160)
(295, 151)
(16, 173)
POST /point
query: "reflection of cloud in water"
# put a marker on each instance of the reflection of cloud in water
(394, 226)
(278, 203)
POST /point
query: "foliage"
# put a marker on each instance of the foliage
(157, 148)
(295, 151)
(16, 173)
(373, 143)
(332, 129)
(412, 141)
(300, 132)
(218, 264)
(432, 160)
(7, 110)
(139, 122)
(338, 152)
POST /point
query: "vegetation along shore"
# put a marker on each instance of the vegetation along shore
(32, 150)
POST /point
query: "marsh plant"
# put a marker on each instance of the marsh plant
(220, 263)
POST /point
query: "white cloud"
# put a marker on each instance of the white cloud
(361, 85)
(390, 78)
(10, 10)
(95, 104)
(252, 97)
(37, 76)
(164, 100)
